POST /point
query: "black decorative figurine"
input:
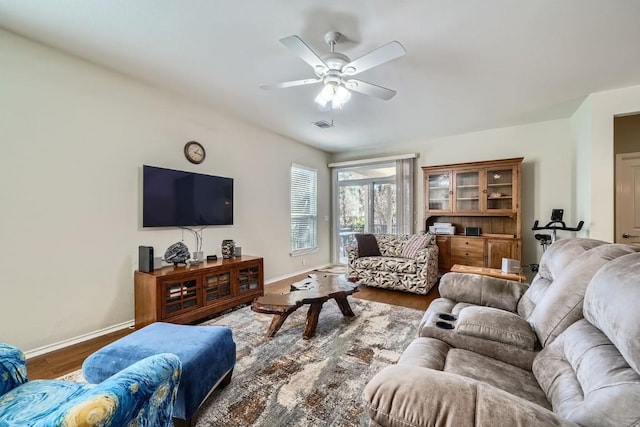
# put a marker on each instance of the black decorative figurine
(178, 253)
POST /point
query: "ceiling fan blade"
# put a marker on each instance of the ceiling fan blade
(301, 49)
(385, 53)
(290, 84)
(370, 89)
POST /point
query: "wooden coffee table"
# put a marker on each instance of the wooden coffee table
(315, 291)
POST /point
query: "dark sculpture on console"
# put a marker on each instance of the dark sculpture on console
(178, 253)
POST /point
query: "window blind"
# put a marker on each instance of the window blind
(304, 209)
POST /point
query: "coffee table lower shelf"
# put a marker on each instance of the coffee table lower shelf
(314, 292)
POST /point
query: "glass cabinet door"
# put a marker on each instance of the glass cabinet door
(216, 287)
(467, 191)
(248, 279)
(439, 191)
(500, 190)
(179, 296)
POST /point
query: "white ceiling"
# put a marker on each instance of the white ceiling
(470, 64)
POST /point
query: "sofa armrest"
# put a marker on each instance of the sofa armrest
(401, 396)
(13, 368)
(144, 391)
(427, 262)
(425, 254)
(482, 290)
(352, 254)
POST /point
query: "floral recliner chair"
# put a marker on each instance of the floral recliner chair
(406, 262)
(140, 395)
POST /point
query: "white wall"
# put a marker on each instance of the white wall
(598, 145)
(547, 171)
(74, 137)
(581, 135)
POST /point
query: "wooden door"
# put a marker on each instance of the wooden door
(498, 249)
(627, 229)
(444, 253)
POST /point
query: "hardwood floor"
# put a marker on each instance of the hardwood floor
(61, 362)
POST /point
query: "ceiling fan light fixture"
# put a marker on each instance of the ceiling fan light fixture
(326, 95)
(342, 95)
(335, 94)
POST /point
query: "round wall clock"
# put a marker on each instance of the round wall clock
(194, 152)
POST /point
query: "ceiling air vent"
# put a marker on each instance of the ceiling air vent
(323, 124)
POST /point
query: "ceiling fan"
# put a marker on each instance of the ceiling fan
(336, 70)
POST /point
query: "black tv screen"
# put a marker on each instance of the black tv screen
(172, 198)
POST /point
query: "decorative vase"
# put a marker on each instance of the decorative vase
(228, 248)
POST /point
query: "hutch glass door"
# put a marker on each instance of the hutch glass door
(467, 191)
(500, 189)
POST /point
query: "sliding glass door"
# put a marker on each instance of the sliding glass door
(366, 201)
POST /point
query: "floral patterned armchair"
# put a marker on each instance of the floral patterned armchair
(142, 395)
(407, 262)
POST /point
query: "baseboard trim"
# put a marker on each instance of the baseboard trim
(289, 275)
(77, 340)
(129, 324)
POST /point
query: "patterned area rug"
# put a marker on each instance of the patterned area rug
(288, 381)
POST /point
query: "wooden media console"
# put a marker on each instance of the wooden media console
(189, 293)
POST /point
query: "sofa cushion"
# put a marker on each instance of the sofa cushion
(482, 290)
(391, 244)
(390, 264)
(561, 304)
(553, 262)
(443, 312)
(367, 245)
(611, 305)
(409, 396)
(496, 325)
(586, 378)
(504, 376)
(414, 244)
(435, 354)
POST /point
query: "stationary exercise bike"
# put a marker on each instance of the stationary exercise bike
(556, 224)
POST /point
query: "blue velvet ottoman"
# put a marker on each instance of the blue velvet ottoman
(207, 353)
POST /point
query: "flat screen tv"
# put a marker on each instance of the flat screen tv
(172, 198)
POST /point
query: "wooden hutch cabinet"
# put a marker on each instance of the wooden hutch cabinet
(485, 195)
(186, 294)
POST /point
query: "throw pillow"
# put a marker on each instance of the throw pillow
(367, 245)
(414, 244)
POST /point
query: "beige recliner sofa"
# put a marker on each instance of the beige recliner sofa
(512, 321)
(585, 371)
